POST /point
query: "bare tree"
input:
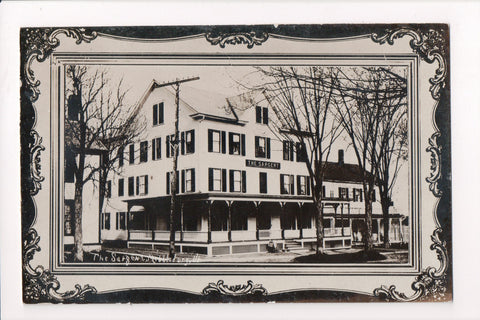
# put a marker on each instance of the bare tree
(97, 122)
(363, 97)
(301, 98)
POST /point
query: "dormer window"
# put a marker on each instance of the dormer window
(158, 114)
(261, 115)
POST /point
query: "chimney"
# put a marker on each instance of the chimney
(340, 156)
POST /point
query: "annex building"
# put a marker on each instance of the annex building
(240, 185)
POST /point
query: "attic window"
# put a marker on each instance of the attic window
(261, 115)
(158, 114)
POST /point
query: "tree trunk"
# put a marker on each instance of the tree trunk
(367, 237)
(386, 226)
(173, 187)
(78, 236)
(319, 220)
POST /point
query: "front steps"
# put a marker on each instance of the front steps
(294, 246)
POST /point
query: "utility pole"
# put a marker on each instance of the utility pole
(173, 181)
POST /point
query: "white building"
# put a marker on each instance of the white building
(240, 185)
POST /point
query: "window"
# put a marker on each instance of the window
(217, 179)
(287, 184)
(156, 148)
(170, 145)
(357, 195)
(143, 151)
(142, 185)
(188, 142)
(121, 223)
(158, 113)
(262, 147)
(301, 152)
(220, 219)
(340, 156)
(303, 185)
(236, 143)
(216, 141)
(121, 186)
(120, 156)
(191, 221)
(261, 115)
(188, 180)
(288, 150)
(131, 159)
(240, 220)
(343, 193)
(131, 186)
(69, 165)
(169, 182)
(263, 182)
(106, 220)
(68, 217)
(108, 189)
(238, 181)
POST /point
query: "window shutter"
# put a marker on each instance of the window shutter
(160, 112)
(244, 181)
(268, 146)
(210, 179)
(282, 181)
(339, 192)
(292, 184)
(155, 114)
(291, 150)
(193, 142)
(242, 145)
(167, 144)
(146, 184)
(138, 185)
(182, 140)
(210, 140)
(153, 149)
(159, 148)
(324, 193)
(224, 142)
(224, 180)
(230, 143)
(183, 181)
(259, 114)
(257, 144)
(193, 180)
(308, 185)
(285, 153)
(168, 182)
(298, 185)
(231, 181)
(265, 115)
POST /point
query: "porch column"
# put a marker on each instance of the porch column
(379, 224)
(128, 221)
(181, 222)
(282, 216)
(229, 224)
(300, 205)
(341, 217)
(209, 210)
(256, 204)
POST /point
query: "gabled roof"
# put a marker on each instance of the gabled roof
(335, 171)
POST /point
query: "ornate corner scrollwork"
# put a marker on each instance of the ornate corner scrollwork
(40, 285)
(35, 148)
(430, 285)
(236, 290)
(435, 167)
(39, 43)
(430, 46)
(249, 38)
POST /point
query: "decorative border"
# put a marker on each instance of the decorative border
(431, 44)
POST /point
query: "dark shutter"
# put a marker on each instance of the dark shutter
(138, 185)
(167, 144)
(232, 185)
(153, 149)
(244, 181)
(292, 184)
(324, 193)
(224, 142)
(224, 180)
(210, 179)
(160, 112)
(183, 181)
(242, 144)
(258, 114)
(155, 114)
(182, 137)
(210, 140)
(298, 185)
(265, 115)
(268, 146)
(263, 182)
(168, 182)
(230, 143)
(159, 148)
(291, 150)
(192, 143)
(193, 180)
(285, 150)
(146, 184)
(308, 185)
(339, 192)
(257, 145)
(282, 180)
